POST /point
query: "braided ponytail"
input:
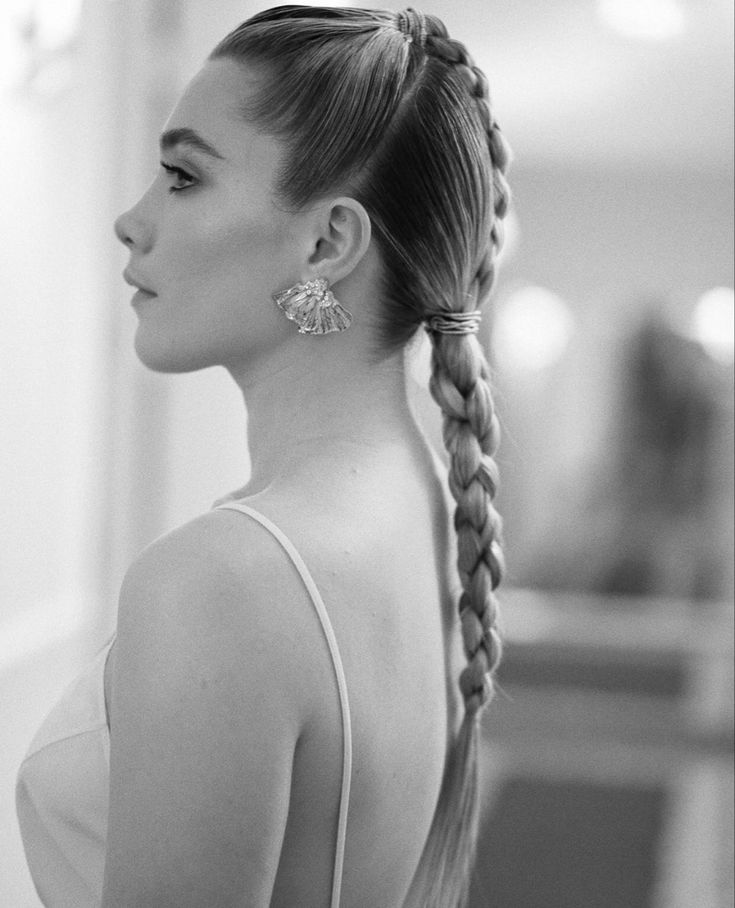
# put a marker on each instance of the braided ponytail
(421, 151)
(460, 385)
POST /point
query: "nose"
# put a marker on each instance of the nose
(133, 231)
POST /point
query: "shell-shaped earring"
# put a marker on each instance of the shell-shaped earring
(312, 306)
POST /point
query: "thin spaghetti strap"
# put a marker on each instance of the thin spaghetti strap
(331, 639)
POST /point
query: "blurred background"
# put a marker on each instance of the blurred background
(607, 755)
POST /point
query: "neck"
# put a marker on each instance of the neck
(316, 407)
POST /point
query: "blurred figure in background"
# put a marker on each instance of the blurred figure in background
(665, 471)
(652, 502)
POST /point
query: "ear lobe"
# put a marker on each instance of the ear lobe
(345, 233)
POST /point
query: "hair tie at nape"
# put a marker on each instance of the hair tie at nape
(412, 25)
(453, 322)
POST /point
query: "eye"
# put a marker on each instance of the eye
(180, 178)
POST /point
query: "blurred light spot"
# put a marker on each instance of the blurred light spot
(56, 21)
(532, 329)
(648, 20)
(713, 323)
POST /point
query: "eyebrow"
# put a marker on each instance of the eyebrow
(190, 137)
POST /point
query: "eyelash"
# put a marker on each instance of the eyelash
(180, 174)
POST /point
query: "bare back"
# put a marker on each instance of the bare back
(376, 541)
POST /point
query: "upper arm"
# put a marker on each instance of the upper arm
(206, 712)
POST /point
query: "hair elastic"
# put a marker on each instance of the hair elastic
(453, 322)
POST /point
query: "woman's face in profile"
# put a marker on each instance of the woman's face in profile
(208, 239)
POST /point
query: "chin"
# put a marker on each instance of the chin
(169, 359)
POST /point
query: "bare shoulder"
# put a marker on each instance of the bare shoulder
(207, 705)
(216, 596)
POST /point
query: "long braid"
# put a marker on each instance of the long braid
(460, 386)
(471, 432)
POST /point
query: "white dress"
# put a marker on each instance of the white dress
(62, 789)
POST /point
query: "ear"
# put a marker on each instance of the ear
(341, 239)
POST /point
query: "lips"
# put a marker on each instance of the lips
(134, 281)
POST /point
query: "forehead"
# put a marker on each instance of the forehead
(211, 105)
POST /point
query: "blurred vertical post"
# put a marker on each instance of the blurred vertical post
(132, 52)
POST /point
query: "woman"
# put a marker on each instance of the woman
(280, 734)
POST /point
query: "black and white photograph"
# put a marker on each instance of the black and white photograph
(367, 466)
